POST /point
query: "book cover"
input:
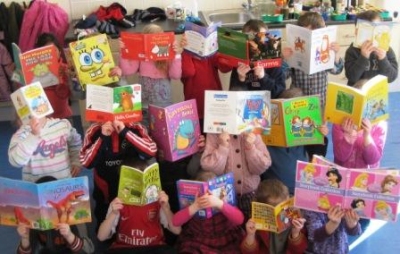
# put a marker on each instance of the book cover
(221, 186)
(175, 129)
(237, 112)
(379, 33)
(36, 65)
(295, 122)
(93, 60)
(42, 206)
(31, 101)
(311, 48)
(150, 47)
(260, 49)
(201, 40)
(138, 187)
(274, 218)
(369, 102)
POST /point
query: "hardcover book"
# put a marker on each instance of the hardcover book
(311, 48)
(201, 40)
(378, 33)
(43, 206)
(36, 65)
(151, 47)
(221, 186)
(237, 112)
(371, 101)
(138, 187)
(122, 103)
(295, 122)
(175, 129)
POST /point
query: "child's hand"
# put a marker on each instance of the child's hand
(121, 44)
(23, 231)
(251, 227)
(351, 218)
(209, 200)
(183, 42)
(367, 48)
(298, 224)
(116, 206)
(75, 170)
(177, 48)
(224, 139)
(287, 53)
(118, 126)
(250, 138)
(116, 71)
(335, 214)
(202, 143)
(348, 127)
(323, 129)
(366, 126)
(35, 126)
(242, 70)
(259, 71)
(335, 47)
(65, 230)
(163, 199)
(380, 53)
(107, 128)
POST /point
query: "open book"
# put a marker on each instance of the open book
(31, 101)
(201, 40)
(237, 112)
(372, 193)
(153, 47)
(274, 218)
(221, 186)
(138, 187)
(378, 33)
(295, 122)
(43, 206)
(37, 65)
(122, 103)
(369, 102)
(175, 129)
(311, 48)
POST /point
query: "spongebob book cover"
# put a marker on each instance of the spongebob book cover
(175, 129)
(43, 206)
(149, 47)
(295, 122)
(122, 103)
(379, 33)
(201, 40)
(93, 60)
(31, 101)
(138, 187)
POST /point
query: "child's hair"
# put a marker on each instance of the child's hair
(47, 38)
(254, 25)
(271, 188)
(370, 15)
(136, 162)
(292, 92)
(311, 19)
(204, 175)
(161, 65)
(359, 84)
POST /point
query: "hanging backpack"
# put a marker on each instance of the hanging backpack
(5, 74)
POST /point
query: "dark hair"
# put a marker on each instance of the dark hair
(356, 201)
(312, 19)
(335, 171)
(368, 15)
(45, 39)
(254, 25)
(271, 188)
(45, 179)
(292, 92)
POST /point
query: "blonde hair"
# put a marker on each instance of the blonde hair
(309, 168)
(161, 65)
(205, 175)
(358, 181)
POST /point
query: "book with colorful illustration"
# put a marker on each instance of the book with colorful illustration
(295, 122)
(201, 40)
(220, 186)
(37, 65)
(259, 49)
(44, 205)
(237, 112)
(371, 101)
(372, 193)
(311, 48)
(31, 101)
(149, 47)
(379, 33)
(137, 187)
(122, 103)
(274, 218)
(175, 129)
(93, 60)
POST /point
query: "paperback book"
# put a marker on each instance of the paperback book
(201, 40)
(379, 33)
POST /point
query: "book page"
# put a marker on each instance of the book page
(99, 98)
(378, 33)
(376, 105)
(131, 186)
(201, 41)
(151, 184)
(299, 40)
(264, 216)
(322, 56)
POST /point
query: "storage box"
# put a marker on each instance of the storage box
(339, 17)
(277, 18)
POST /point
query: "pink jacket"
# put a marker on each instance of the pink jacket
(148, 69)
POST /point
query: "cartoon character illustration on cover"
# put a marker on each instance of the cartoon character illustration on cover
(307, 127)
(358, 206)
(151, 194)
(93, 61)
(388, 183)
(308, 173)
(42, 73)
(184, 135)
(361, 182)
(296, 126)
(64, 206)
(323, 202)
(334, 177)
(383, 211)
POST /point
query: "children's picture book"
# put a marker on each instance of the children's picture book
(220, 186)
(373, 194)
(311, 48)
(93, 60)
(43, 206)
(260, 49)
(274, 218)
(237, 112)
(31, 101)
(371, 101)
(295, 122)
(149, 47)
(201, 40)
(36, 65)
(175, 129)
(122, 103)
(379, 33)
(137, 187)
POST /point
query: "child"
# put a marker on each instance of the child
(245, 155)
(369, 61)
(292, 240)
(245, 78)
(138, 228)
(6, 69)
(105, 147)
(58, 95)
(219, 234)
(46, 146)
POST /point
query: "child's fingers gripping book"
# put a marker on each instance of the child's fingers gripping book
(201, 40)
(379, 33)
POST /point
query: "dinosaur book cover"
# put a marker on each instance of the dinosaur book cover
(175, 129)
(139, 187)
(42, 206)
(150, 47)
(295, 122)
(122, 103)
(40, 64)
